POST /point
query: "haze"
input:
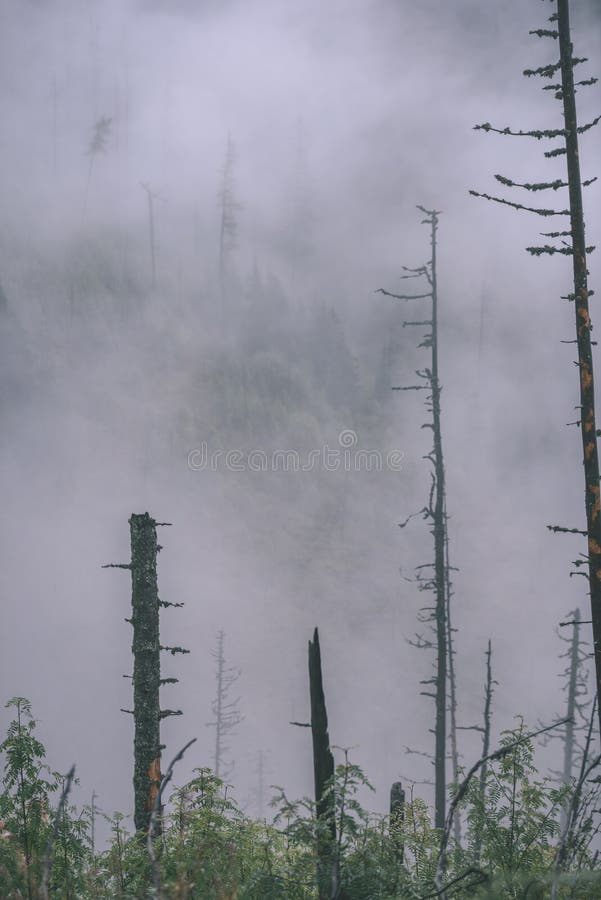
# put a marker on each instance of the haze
(344, 116)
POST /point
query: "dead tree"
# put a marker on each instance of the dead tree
(452, 680)
(488, 692)
(576, 690)
(572, 243)
(328, 876)
(578, 701)
(146, 649)
(226, 711)
(397, 818)
(438, 581)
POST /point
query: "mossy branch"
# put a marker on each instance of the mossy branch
(550, 250)
(539, 212)
(550, 70)
(540, 186)
(535, 133)
(545, 32)
(174, 650)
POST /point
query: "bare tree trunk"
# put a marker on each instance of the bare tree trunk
(485, 744)
(323, 769)
(439, 583)
(440, 568)
(218, 705)
(147, 666)
(397, 817)
(568, 746)
(583, 333)
(146, 678)
(452, 683)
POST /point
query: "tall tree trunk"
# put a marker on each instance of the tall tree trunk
(146, 678)
(439, 583)
(568, 745)
(485, 744)
(397, 817)
(440, 569)
(452, 682)
(219, 705)
(323, 769)
(583, 333)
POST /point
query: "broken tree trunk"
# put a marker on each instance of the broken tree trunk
(323, 768)
(146, 648)
(147, 667)
(397, 817)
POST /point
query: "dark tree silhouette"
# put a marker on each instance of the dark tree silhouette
(572, 244)
(328, 876)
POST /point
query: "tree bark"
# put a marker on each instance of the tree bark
(440, 568)
(146, 677)
(323, 769)
(397, 817)
(583, 333)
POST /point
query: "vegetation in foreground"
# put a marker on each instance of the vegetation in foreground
(522, 837)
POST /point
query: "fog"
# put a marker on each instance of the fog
(343, 116)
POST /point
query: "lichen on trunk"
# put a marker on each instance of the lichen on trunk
(147, 666)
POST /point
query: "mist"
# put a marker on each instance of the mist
(343, 118)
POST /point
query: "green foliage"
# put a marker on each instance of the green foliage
(209, 848)
(27, 820)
